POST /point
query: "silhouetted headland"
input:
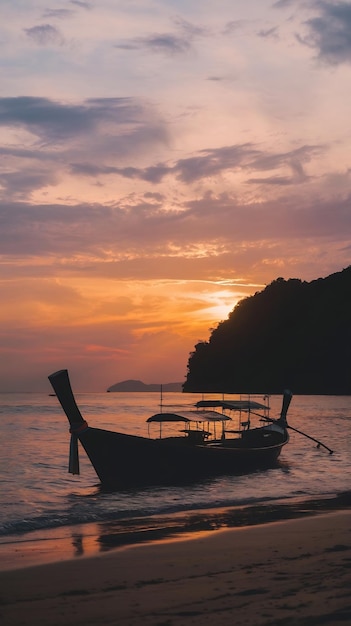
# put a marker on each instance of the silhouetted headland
(293, 334)
(138, 385)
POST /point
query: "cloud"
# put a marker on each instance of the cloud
(234, 26)
(216, 79)
(52, 120)
(21, 183)
(158, 43)
(54, 134)
(152, 174)
(167, 43)
(81, 3)
(189, 29)
(58, 13)
(213, 162)
(303, 154)
(102, 138)
(97, 137)
(269, 33)
(280, 181)
(45, 35)
(123, 238)
(208, 163)
(281, 4)
(330, 33)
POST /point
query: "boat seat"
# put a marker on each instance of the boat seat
(196, 436)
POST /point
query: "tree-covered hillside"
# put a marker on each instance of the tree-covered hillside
(293, 334)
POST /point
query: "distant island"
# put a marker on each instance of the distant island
(138, 385)
(292, 335)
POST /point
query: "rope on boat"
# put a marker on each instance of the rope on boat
(79, 428)
(75, 430)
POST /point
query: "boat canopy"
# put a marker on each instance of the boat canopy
(234, 405)
(189, 416)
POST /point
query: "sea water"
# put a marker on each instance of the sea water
(38, 495)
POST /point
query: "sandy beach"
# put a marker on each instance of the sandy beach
(291, 572)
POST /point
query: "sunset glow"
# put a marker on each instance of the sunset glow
(161, 161)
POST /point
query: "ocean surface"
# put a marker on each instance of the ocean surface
(41, 503)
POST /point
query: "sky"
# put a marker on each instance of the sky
(160, 161)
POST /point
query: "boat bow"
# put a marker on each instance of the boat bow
(61, 385)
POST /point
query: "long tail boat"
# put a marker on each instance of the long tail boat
(121, 460)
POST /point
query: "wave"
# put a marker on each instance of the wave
(246, 511)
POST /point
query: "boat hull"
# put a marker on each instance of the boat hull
(122, 460)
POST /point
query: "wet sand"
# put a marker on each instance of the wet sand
(284, 572)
